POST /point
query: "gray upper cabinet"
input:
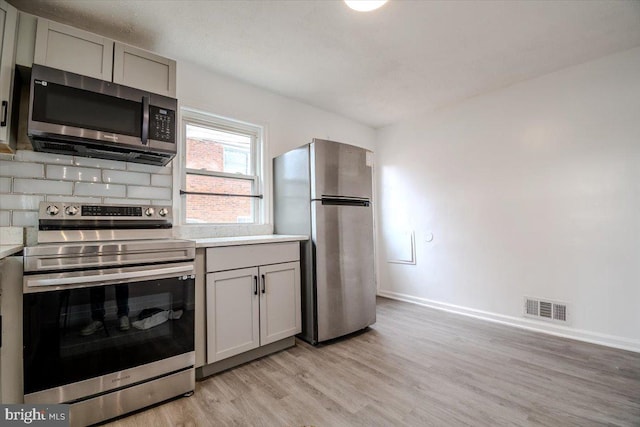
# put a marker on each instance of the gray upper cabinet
(8, 23)
(81, 52)
(144, 70)
(70, 49)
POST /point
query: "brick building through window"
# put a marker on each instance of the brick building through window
(220, 160)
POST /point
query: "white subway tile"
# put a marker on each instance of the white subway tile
(74, 199)
(5, 218)
(5, 185)
(21, 169)
(99, 163)
(93, 189)
(140, 167)
(161, 180)
(121, 177)
(139, 192)
(110, 201)
(25, 219)
(72, 173)
(34, 156)
(12, 201)
(42, 186)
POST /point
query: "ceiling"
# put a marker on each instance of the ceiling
(377, 68)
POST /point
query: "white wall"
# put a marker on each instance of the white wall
(287, 122)
(531, 190)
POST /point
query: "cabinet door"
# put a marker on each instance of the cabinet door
(232, 313)
(8, 20)
(144, 70)
(66, 48)
(279, 302)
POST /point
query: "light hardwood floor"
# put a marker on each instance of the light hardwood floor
(419, 367)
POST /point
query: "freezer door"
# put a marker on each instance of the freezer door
(291, 182)
(339, 170)
(345, 281)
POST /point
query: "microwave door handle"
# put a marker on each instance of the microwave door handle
(145, 120)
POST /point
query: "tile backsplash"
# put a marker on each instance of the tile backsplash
(29, 177)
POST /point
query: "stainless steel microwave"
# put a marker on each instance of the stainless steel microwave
(82, 116)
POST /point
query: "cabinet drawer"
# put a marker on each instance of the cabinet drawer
(231, 257)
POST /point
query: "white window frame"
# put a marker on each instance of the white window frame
(256, 133)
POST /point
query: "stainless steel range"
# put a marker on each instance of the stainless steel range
(108, 310)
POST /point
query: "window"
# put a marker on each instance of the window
(222, 182)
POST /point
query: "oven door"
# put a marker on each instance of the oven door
(68, 357)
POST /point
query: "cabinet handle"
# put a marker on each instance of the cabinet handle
(264, 285)
(255, 285)
(5, 109)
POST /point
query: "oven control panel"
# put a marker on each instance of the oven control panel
(101, 210)
(55, 210)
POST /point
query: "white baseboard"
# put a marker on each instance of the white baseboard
(532, 325)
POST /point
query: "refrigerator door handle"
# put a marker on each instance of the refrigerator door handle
(343, 201)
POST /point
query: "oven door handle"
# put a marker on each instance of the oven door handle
(109, 277)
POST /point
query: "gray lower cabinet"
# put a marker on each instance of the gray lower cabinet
(233, 313)
(11, 313)
(280, 308)
(254, 304)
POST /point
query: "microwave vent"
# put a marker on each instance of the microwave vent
(59, 148)
(86, 149)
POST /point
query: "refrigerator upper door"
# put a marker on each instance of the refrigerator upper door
(345, 281)
(339, 170)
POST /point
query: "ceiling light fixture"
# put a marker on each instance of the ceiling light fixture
(365, 5)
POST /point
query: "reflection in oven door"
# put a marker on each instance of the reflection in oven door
(83, 333)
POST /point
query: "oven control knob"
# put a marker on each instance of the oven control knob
(149, 211)
(163, 212)
(52, 210)
(71, 210)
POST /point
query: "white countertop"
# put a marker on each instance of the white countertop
(8, 250)
(11, 239)
(247, 240)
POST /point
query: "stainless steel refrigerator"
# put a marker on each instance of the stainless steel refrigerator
(323, 189)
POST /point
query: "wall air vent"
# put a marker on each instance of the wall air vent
(531, 307)
(546, 310)
(560, 312)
